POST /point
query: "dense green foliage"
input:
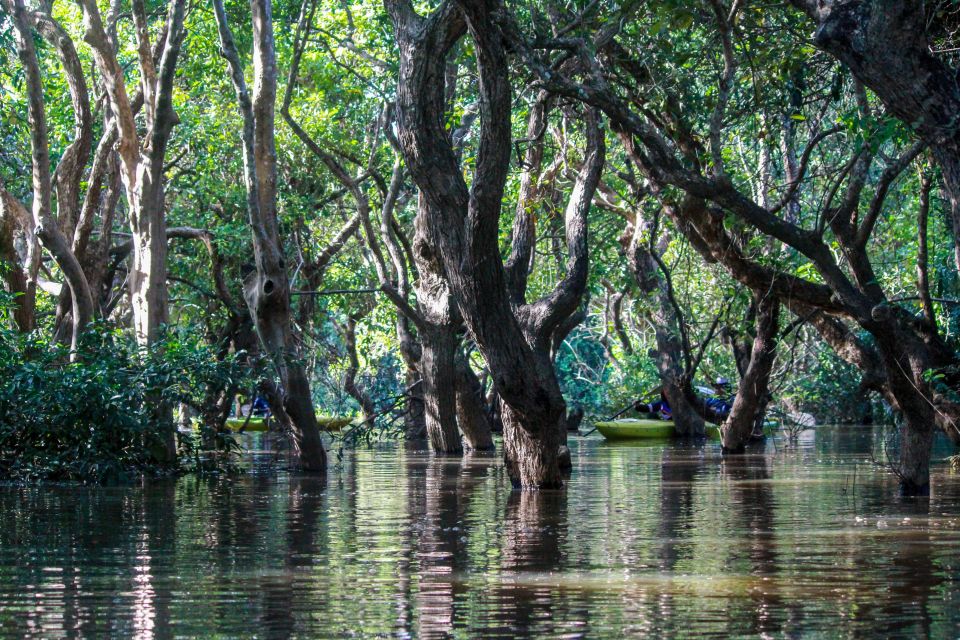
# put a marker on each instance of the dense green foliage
(91, 415)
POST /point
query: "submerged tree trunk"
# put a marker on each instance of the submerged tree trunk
(414, 415)
(267, 290)
(532, 457)
(913, 467)
(753, 394)
(669, 355)
(439, 341)
(463, 226)
(438, 372)
(906, 365)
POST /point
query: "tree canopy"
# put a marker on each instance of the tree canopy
(454, 218)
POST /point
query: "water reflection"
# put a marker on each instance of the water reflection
(532, 543)
(679, 469)
(660, 540)
(752, 508)
(301, 545)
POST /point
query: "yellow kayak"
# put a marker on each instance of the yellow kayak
(327, 423)
(634, 429)
(253, 424)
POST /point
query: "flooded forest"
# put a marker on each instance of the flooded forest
(479, 318)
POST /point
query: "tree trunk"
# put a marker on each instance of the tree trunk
(532, 458)
(949, 161)
(438, 371)
(46, 227)
(148, 271)
(471, 409)
(267, 290)
(350, 384)
(884, 43)
(142, 164)
(16, 280)
(906, 363)
(463, 225)
(753, 394)
(574, 419)
(438, 340)
(669, 355)
(414, 417)
(495, 410)
(913, 467)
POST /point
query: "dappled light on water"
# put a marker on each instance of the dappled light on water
(665, 539)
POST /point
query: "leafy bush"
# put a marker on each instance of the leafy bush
(93, 417)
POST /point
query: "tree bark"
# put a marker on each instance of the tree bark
(471, 409)
(870, 37)
(519, 263)
(884, 43)
(438, 340)
(350, 384)
(47, 229)
(438, 372)
(414, 417)
(267, 290)
(464, 227)
(669, 356)
(532, 458)
(753, 394)
(18, 278)
(142, 168)
(142, 160)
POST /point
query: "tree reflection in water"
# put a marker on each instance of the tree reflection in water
(664, 540)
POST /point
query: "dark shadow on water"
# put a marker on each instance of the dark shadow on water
(679, 469)
(441, 490)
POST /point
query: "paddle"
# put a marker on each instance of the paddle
(623, 411)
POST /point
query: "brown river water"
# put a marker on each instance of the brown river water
(660, 540)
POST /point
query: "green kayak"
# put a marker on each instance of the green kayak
(253, 424)
(636, 429)
(633, 429)
(326, 423)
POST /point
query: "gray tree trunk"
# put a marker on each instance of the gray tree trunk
(267, 290)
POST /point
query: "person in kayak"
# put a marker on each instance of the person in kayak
(717, 406)
(720, 403)
(260, 407)
(660, 408)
